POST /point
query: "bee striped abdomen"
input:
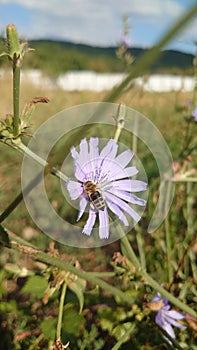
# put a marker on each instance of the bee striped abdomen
(95, 197)
(97, 200)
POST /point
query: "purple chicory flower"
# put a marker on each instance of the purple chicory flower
(165, 317)
(125, 41)
(194, 114)
(104, 183)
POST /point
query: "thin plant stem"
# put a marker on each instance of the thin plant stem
(120, 120)
(150, 57)
(184, 178)
(19, 243)
(23, 149)
(135, 138)
(138, 235)
(168, 238)
(61, 309)
(140, 245)
(128, 251)
(190, 225)
(18, 199)
(154, 284)
(40, 161)
(124, 337)
(141, 66)
(16, 96)
(168, 249)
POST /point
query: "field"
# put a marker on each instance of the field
(98, 218)
(31, 287)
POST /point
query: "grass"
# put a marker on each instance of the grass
(166, 111)
(160, 108)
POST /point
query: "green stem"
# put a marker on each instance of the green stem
(168, 237)
(150, 57)
(19, 198)
(129, 253)
(168, 249)
(140, 244)
(183, 178)
(61, 309)
(16, 96)
(120, 120)
(40, 161)
(190, 226)
(155, 285)
(124, 337)
(41, 256)
(23, 149)
(189, 209)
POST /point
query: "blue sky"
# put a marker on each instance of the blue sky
(98, 22)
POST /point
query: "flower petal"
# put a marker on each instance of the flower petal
(130, 185)
(88, 161)
(83, 153)
(113, 170)
(169, 317)
(122, 205)
(74, 188)
(110, 150)
(131, 171)
(82, 205)
(124, 158)
(168, 328)
(103, 224)
(159, 319)
(90, 223)
(74, 153)
(157, 297)
(176, 315)
(118, 212)
(128, 197)
(94, 152)
(81, 160)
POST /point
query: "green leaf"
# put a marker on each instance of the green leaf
(35, 285)
(48, 328)
(73, 322)
(6, 306)
(77, 286)
(122, 331)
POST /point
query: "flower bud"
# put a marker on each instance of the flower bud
(12, 41)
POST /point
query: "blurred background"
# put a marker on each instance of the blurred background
(82, 49)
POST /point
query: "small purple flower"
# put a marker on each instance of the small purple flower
(125, 41)
(194, 114)
(104, 183)
(165, 317)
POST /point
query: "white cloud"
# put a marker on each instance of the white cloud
(94, 21)
(150, 8)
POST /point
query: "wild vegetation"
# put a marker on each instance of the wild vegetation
(97, 298)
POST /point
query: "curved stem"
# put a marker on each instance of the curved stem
(39, 255)
(154, 284)
(61, 308)
(41, 161)
(22, 148)
(150, 57)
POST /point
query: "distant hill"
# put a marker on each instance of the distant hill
(56, 57)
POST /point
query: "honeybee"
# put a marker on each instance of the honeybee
(94, 195)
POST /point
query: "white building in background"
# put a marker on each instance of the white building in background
(89, 80)
(165, 83)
